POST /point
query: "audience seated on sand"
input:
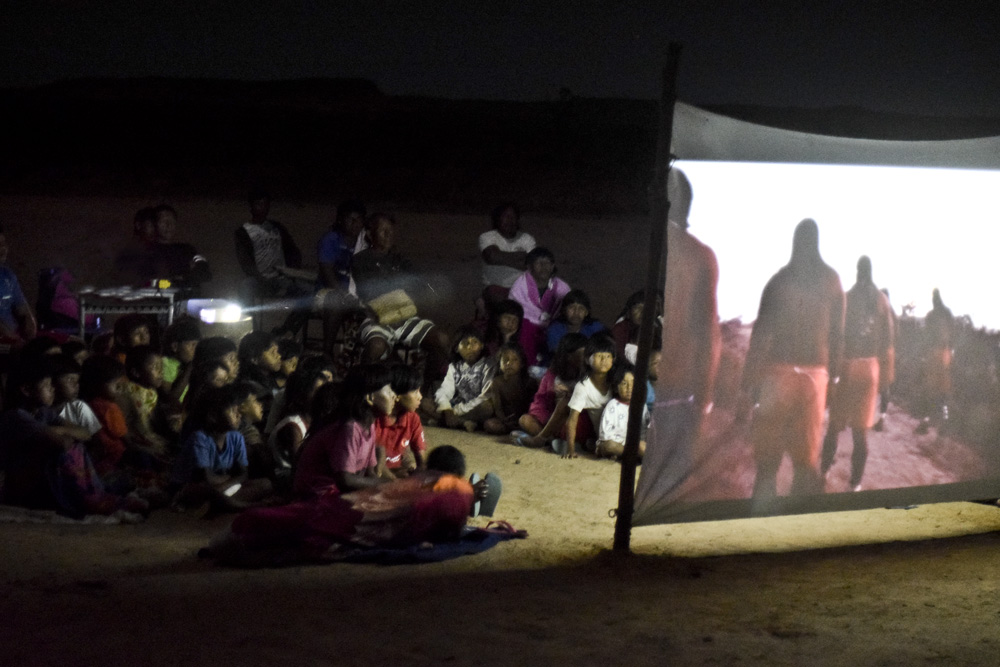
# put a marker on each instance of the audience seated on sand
(45, 463)
(504, 250)
(341, 456)
(388, 286)
(17, 324)
(590, 395)
(463, 399)
(511, 391)
(178, 262)
(613, 428)
(400, 433)
(574, 317)
(546, 416)
(540, 293)
(211, 472)
(263, 248)
(503, 326)
(293, 423)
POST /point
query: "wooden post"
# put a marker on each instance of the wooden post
(659, 210)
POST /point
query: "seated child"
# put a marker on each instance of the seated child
(614, 420)
(511, 391)
(293, 425)
(590, 394)
(130, 331)
(45, 463)
(260, 362)
(546, 416)
(504, 325)
(251, 395)
(462, 401)
(66, 381)
(102, 380)
(218, 349)
(180, 340)
(140, 398)
(289, 350)
(211, 471)
(400, 433)
(574, 317)
(76, 349)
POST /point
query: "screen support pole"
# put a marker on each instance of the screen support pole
(655, 276)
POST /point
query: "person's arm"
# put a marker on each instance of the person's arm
(571, 421)
(71, 431)
(705, 329)
(293, 256)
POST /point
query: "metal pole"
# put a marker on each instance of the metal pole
(659, 209)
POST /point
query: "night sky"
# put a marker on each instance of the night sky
(908, 56)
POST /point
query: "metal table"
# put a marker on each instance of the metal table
(145, 301)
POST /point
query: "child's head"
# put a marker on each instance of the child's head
(541, 264)
(567, 361)
(40, 346)
(132, 331)
(260, 348)
(506, 219)
(366, 393)
(301, 389)
(76, 349)
(101, 377)
(467, 345)
(290, 350)
(406, 383)
(181, 339)
(600, 353)
(634, 307)
(166, 223)
(210, 374)
(65, 378)
(622, 380)
(144, 366)
(217, 410)
(575, 308)
(505, 320)
(512, 361)
(218, 349)
(447, 459)
(102, 344)
(321, 362)
(249, 393)
(351, 216)
(30, 384)
(382, 230)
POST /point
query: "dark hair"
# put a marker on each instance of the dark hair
(575, 296)
(127, 324)
(505, 307)
(361, 381)
(199, 379)
(448, 459)
(138, 357)
(39, 346)
(247, 388)
(515, 347)
(636, 299)
(183, 329)
(289, 348)
(618, 371)
(299, 390)
(325, 406)
(213, 349)
(599, 342)
(405, 378)
(499, 209)
(164, 208)
(347, 207)
(96, 373)
(102, 343)
(63, 364)
(463, 332)
(560, 365)
(253, 345)
(207, 413)
(26, 372)
(73, 347)
(538, 252)
(321, 362)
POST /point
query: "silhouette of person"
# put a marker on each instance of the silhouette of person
(937, 332)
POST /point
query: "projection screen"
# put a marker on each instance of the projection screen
(924, 214)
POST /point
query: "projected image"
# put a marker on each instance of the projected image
(857, 348)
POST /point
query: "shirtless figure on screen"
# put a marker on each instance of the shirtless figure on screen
(795, 350)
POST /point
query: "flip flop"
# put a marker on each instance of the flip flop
(560, 447)
(494, 489)
(521, 438)
(473, 480)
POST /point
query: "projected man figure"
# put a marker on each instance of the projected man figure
(796, 342)
(938, 326)
(868, 366)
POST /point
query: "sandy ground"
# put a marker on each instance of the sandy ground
(875, 587)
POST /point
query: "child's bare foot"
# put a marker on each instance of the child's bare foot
(469, 425)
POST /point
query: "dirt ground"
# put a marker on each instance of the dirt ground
(874, 587)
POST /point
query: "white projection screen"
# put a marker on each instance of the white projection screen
(926, 214)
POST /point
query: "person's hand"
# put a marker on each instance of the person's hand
(481, 489)
(570, 452)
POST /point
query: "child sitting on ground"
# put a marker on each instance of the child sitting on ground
(590, 395)
(211, 471)
(546, 416)
(180, 340)
(69, 407)
(290, 350)
(139, 401)
(511, 391)
(130, 331)
(614, 420)
(504, 325)
(251, 395)
(462, 401)
(291, 428)
(102, 381)
(260, 362)
(400, 433)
